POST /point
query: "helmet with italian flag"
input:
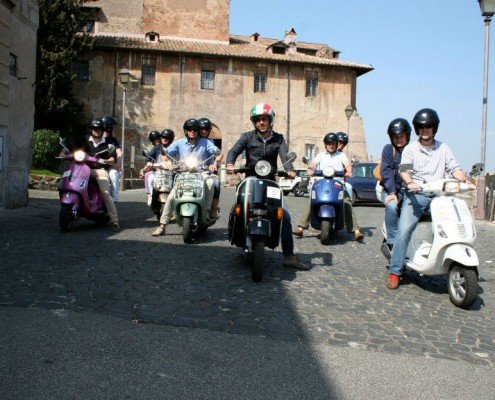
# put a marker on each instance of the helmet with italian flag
(262, 109)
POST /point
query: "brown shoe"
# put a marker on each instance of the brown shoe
(159, 231)
(115, 227)
(295, 262)
(393, 281)
(299, 231)
(358, 236)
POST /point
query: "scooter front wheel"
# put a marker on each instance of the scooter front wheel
(326, 231)
(187, 229)
(258, 258)
(462, 285)
(66, 218)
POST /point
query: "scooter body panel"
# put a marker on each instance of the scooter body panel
(77, 188)
(189, 200)
(327, 201)
(259, 201)
(447, 238)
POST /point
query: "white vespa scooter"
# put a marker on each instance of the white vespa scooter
(442, 242)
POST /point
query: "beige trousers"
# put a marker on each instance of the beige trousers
(103, 181)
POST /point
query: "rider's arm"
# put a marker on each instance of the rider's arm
(237, 149)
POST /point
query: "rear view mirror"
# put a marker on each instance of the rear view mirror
(144, 153)
(305, 160)
(291, 156)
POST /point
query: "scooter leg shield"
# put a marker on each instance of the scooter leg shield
(70, 198)
(188, 209)
(462, 254)
(327, 211)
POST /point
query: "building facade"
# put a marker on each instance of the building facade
(18, 27)
(184, 63)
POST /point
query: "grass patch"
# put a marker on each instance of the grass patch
(43, 172)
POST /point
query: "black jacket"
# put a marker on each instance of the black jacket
(256, 149)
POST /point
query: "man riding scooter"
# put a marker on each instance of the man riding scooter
(203, 149)
(431, 160)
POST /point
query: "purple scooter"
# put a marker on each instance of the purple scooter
(80, 194)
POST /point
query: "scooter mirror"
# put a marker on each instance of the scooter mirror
(305, 160)
(291, 156)
(405, 167)
(144, 153)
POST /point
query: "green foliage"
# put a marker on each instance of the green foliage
(45, 149)
(60, 42)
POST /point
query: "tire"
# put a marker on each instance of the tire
(258, 259)
(103, 220)
(66, 218)
(286, 192)
(297, 192)
(354, 197)
(462, 285)
(326, 231)
(187, 229)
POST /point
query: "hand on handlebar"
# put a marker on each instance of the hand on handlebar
(291, 174)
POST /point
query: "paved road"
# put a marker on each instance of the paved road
(341, 304)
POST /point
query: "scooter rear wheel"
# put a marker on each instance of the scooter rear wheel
(462, 285)
(66, 218)
(258, 259)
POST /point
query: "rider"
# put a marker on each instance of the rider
(203, 149)
(96, 143)
(263, 143)
(108, 124)
(152, 155)
(339, 161)
(399, 132)
(204, 131)
(431, 160)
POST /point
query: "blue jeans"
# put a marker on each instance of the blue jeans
(391, 217)
(413, 207)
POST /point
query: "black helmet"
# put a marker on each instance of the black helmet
(330, 137)
(168, 134)
(190, 124)
(426, 116)
(96, 124)
(205, 123)
(108, 123)
(342, 137)
(399, 125)
(153, 136)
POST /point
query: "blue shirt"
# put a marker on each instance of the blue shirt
(203, 149)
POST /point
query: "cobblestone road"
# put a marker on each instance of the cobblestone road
(342, 301)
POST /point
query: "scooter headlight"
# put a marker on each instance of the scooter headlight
(79, 156)
(263, 168)
(451, 187)
(191, 162)
(328, 172)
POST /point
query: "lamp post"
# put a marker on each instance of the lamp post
(348, 113)
(124, 75)
(487, 10)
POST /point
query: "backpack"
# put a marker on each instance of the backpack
(376, 171)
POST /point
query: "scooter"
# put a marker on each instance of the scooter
(163, 182)
(442, 242)
(327, 203)
(189, 201)
(256, 218)
(79, 193)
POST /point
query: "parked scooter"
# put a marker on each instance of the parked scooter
(190, 197)
(256, 218)
(162, 185)
(327, 203)
(442, 242)
(79, 193)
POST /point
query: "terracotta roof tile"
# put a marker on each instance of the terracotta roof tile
(237, 48)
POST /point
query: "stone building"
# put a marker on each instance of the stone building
(185, 63)
(18, 26)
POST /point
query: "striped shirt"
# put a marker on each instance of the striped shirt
(430, 163)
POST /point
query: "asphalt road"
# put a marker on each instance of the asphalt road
(94, 314)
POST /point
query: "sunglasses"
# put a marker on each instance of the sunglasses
(425, 126)
(193, 130)
(260, 119)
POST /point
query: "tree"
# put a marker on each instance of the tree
(60, 41)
